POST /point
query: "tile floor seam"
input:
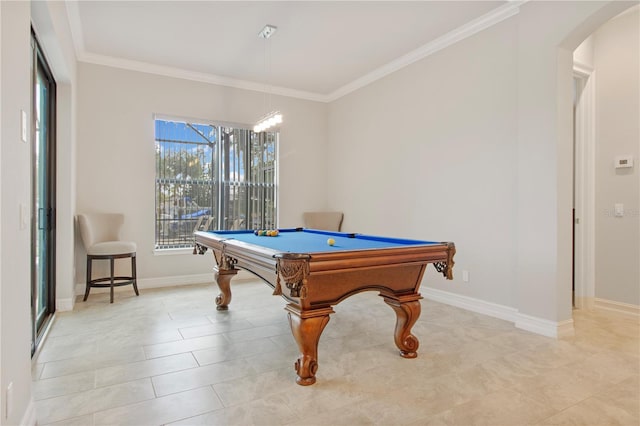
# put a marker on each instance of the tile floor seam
(153, 386)
(219, 398)
(173, 372)
(195, 359)
(534, 402)
(94, 412)
(70, 418)
(93, 388)
(561, 411)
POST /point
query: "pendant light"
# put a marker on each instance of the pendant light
(272, 118)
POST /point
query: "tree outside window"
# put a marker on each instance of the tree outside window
(212, 177)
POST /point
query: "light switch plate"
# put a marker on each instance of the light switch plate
(624, 161)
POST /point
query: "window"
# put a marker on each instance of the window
(212, 177)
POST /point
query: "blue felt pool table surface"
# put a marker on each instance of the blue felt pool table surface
(315, 241)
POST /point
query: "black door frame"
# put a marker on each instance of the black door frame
(39, 62)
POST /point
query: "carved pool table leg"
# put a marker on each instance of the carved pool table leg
(407, 310)
(307, 327)
(223, 278)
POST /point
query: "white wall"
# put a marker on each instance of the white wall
(435, 155)
(15, 323)
(473, 145)
(616, 50)
(583, 55)
(116, 152)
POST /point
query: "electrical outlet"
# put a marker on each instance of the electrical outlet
(465, 276)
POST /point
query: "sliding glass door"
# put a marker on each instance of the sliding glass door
(43, 190)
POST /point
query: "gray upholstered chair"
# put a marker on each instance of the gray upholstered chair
(101, 237)
(327, 221)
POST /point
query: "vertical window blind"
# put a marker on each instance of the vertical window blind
(212, 177)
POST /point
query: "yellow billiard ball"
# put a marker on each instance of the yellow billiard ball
(331, 241)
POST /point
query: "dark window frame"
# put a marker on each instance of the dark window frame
(212, 176)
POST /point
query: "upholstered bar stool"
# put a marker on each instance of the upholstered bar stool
(101, 237)
(327, 221)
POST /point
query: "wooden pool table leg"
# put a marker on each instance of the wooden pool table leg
(307, 327)
(223, 279)
(407, 313)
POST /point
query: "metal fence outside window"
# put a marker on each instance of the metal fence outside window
(212, 177)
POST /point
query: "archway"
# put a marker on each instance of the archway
(545, 157)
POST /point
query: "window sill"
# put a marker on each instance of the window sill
(173, 251)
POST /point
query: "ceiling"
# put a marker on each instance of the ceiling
(321, 50)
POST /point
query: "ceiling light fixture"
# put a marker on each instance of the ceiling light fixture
(274, 117)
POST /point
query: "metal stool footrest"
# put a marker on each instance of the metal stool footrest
(112, 280)
(96, 282)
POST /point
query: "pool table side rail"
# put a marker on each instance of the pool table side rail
(262, 261)
(229, 234)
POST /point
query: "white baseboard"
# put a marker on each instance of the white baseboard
(65, 304)
(526, 322)
(623, 308)
(565, 329)
(545, 327)
(174, 281)
(145, 283)
(30, 418)
(586, 303)
(178, 280)
(470, 304)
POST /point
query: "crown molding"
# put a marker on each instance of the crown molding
(166, 71)
(467, 30)
(631, 9)
(75, 25)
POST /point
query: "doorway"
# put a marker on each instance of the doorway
(583, 187)
(43, 189)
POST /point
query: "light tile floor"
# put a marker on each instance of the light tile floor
(168, 357)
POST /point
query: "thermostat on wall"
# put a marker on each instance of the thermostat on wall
(624, 162)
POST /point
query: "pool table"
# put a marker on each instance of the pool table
(312, 276)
